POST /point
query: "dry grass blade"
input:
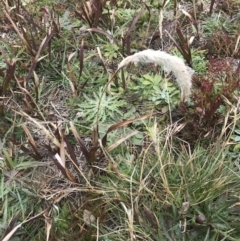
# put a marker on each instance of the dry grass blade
(30, 102)
(123, 80)
(165, 2)
(194, 9)
(11, 224)
(30, 19)
(179, 47)
(120, 141)
(62, 153)
(122, 124)
(97, 6)
(91, 12)
(90, 156)
(211, 6)
(148, 25)
(101, 57)
(126, 40)
(42, 46)
(57, 159)
(41, 127)
(9, 73)
(32, 142)
(81, 57)
(95, 136)
(72, 79)
(184, 46)
(88, 12)
(71, 151)
(29, 47)
(29, 27)
(2, 112)
(236, 49)
(25, 150)
(61, 166)
(160, 21)
(83, 16)
(36, 85)
(193, 20)
(165, 27)
(175, 8)
(10, 234)
(150, 216)
(97, 30)
(130, 216)
(73, 158)
(48, 222)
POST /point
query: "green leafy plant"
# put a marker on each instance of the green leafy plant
(110, 51)
(63, 221)
(215, 24)
(155, 89)
(110, 106)
(198, 59)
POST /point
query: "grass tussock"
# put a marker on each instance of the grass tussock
(168, 193)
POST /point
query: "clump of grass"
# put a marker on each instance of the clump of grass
(171, 192)
(17, 195)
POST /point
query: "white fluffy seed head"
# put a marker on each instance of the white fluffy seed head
(169, 63)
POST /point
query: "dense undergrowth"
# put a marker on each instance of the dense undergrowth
(90, 152)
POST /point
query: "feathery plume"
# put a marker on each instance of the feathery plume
(169, 63)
